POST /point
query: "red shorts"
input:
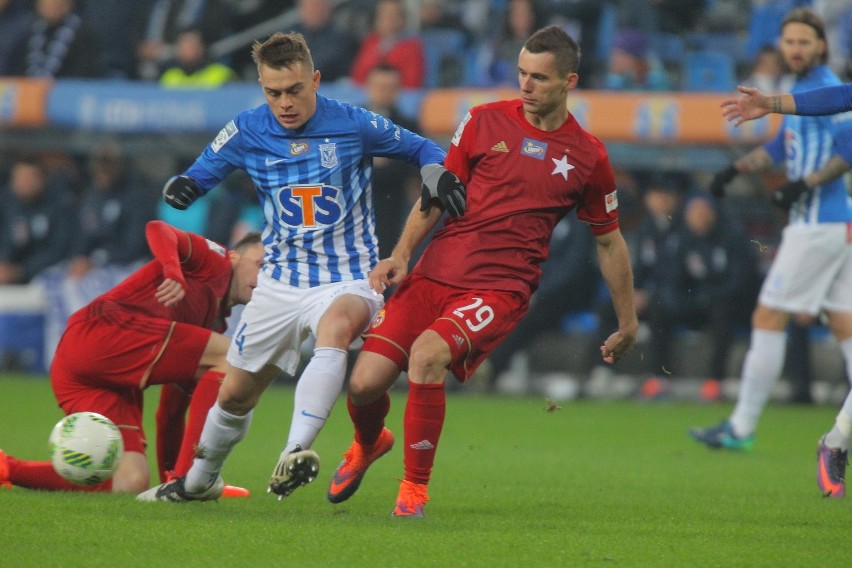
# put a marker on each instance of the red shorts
(104, 362)
(472, 322)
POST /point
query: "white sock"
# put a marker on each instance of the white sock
(761, 370)
(316, 392)
(838, 436)
(222, 431)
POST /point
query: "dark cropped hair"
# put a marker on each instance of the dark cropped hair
(282, 50)
(553, 39)
(249, 239)
(809, 18)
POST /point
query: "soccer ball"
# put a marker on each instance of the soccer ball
(85, 448)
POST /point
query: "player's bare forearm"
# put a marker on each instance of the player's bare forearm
(755, 104)
(755, 161)
(417, 226)
(614, 261)
(835, 167)
(392, 270)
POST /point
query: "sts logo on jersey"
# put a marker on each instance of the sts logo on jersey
(309, 206)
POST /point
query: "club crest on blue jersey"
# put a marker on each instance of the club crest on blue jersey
(297, 148)
(328, 155)
(309, 206)
(533, 148)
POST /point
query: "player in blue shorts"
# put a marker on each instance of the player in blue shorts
(812, 271)
(310, 158)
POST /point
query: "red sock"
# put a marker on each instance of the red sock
(41, 475)
(369, 419)
(424, 419)
(174, 400)
(206, 392)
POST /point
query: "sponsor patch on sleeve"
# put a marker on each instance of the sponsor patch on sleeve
(457, 136)
(215, 247)
(611, 200)
(224, 135)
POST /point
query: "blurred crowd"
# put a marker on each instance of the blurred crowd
(626, 44)
(81, 215)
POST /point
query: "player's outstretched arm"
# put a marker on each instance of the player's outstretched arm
(754, 104)
(391, 270)
(181, 191)
(169, 246)
(614, 261)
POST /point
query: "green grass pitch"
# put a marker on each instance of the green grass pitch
(589, 484)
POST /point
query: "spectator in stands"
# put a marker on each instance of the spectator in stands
(383, 87)
(391, 43)
(59, 44)
(333, 49)
(661, 199)
(570, 282)
(768, 72)
(709, 282)
(113, 212)
(667, 16)
(583, 19)
(117, 58)
(37, 223)
(438, 15)
(158, 23)
(192, 66)
(498, 59)
(632, 66)
(15, 21)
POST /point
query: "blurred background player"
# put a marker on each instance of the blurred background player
(160, 326)
(812, 270)
(309, 158)
(527, 163)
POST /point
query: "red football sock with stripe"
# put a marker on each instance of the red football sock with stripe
(424, 420)
(369, 419)
(204, 397)
(170, 416)
(41, 475)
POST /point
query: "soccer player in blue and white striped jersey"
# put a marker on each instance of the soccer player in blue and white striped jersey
(310, 158)
(812, 269)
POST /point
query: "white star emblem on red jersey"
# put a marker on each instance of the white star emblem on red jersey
(562, 167)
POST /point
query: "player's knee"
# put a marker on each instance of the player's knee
(428, 363)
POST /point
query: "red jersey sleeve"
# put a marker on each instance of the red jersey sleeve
(457, 160)
(170, 246)
(599, 204)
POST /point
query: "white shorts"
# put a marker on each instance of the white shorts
(812, 270)
(279, 318)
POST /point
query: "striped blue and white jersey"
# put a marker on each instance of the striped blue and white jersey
(805, 144)
(314, 185)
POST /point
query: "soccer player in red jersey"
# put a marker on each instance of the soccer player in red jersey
(526, 163)
(162, 325)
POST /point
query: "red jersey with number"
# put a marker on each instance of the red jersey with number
(207, 274)
(520, 182)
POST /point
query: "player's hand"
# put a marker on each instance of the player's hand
(617, 346)
(170, 292)
(753, 104)
(442, 184)
(181, 191)
(721, 179)
(388, 271)
(785, 196)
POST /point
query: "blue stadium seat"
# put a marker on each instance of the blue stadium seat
(709, 71)
(669, 48)
(444, 50)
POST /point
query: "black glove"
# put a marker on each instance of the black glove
(181, 191)
(721, 179)
(785, 196)
(442, 184)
